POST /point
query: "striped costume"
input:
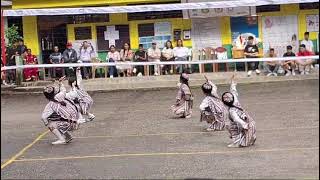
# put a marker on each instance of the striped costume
(183, 106)
(242, 127)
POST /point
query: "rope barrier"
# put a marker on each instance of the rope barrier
(159, 63)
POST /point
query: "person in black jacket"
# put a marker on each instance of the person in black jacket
(70, 56)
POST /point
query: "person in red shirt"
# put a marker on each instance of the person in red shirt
(304, 65)
(30, 73)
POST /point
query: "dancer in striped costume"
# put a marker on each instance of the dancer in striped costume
(212, 109)
(242, 127)
(60, 115)
(80, 97)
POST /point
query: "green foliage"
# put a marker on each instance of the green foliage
(12, 35)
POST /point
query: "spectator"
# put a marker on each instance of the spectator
(154, 55)
(307, 42)
(167, 55)
(272, 66)
(86, 53)
(180, 53)
(289, 66)
(113, 56)
(141, 56)
(3, 81)
(304, 65)
(11, 61)
(56, 58)
(30, 73)
(70, 56)
(126, 55)
(251, 51)
(21, 47)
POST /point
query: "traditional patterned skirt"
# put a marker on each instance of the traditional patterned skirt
(63, 126)
(243, 137)
(184, 108)
(211, 119)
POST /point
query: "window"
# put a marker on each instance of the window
(154, 15)
(304, 6)
(82, 33)
(89, 18)
(268, 8)
(146, 30)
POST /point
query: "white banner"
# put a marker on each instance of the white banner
(148, 8)
(312, 23)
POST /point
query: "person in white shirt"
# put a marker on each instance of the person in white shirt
(181, 54)
(113, 56)
(154, 55)
(86, 53)
(307, 42)
(167, 55)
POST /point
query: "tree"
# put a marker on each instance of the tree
(12, 35)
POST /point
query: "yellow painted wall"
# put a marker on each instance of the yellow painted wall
(22, 4)
(30, 33)
(120, 19)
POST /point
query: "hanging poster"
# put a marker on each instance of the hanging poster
(312, 23)
(76, 45)
(162, 28)
(206, 33)
(242, 28)
(279, 32)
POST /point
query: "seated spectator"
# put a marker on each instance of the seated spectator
(86, 53)
(126, 55)
(3, 81)
(11, 54)
(272, 66)
(69, 55)
(167, 55)
(251, 51)
(56, 58)
(113, 56)
(154, 55)
(140, 56)
(304, 65)
(289, 66)
(30, 73)
(181, 54)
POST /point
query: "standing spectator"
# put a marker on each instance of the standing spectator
(167, 55)
(11, 61)
(251, 51)
(272, 66)
(141, 56)
(307, 42)
(154, 55)
(289, 66)
(304, 65)
(3, 81)
(70, 56)
(30, 73)
(126, 55)
(180, 53)
(56, 58)
(113, 56)
(86, 53)
(21, 47)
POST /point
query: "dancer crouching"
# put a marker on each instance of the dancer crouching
(184, 99)
(60, 114)
(212, 109)
(80, 97)
(242, 127)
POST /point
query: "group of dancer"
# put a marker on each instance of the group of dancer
(67, 110)
(220, 113)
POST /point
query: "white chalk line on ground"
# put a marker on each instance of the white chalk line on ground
(182, 133)
(241, 150)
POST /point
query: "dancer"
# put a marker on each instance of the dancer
(212, 109)
(80, 97)
(60, 114)
(184, 99)
(242, 127)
